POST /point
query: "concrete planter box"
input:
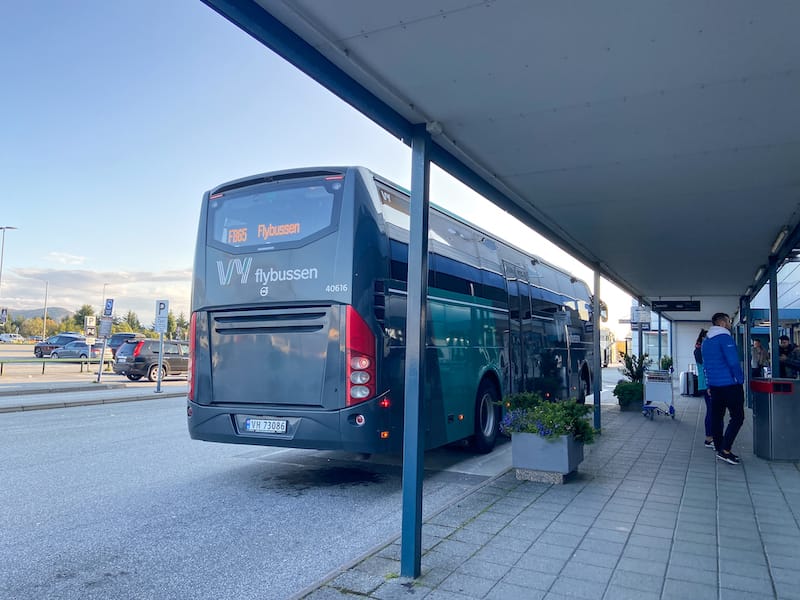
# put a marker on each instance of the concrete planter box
(541, 459)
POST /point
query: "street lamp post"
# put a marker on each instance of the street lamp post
(2, 249)
(44, 324)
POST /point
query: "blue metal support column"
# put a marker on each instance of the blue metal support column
(597, 367)
(747, 347)
(773, 318)
(416, 318)
(659, 341)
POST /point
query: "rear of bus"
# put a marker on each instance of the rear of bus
(284, 337)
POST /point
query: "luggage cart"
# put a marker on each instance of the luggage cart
(658, 394)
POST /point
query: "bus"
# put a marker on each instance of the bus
(299, 316)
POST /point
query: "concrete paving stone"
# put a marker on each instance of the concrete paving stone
(663, 532)
(745, 584)
(681, 590)
(782, 546)
(695, 536)
(683, 547)
(432, 576)
(789, 576)
(577, 569)
(662, 507)
(356, 581)
(560, 539)
(613, 525)
(440, 594)
(748, 569)
(499, 556)
(584, 511)
(467, 585)
(786, 591)
(486, 570)
(462, 550)
(782, 528)
(636, 580)
(529, 579)
(638, 539)
(567, 528)
(782, 562)
(441, 531)
(707, 563)
(595, 558)
(634, 552)
(619, 515)
(616, 592)
(502, 542)
(704, 514)
(505, 591)
(379, 566)
(697, 527)
(441, 560)
(540, 548)
(611, 535)
(656, 520)
(328, 593)
(392, 551)
(693, 574)
(577, 588)
(469, 535)
(739, 595)
(738, 554)
(522, 533)
(654, 567)
(574, 519)
(401, 590)
(610, 548)
(542, 563)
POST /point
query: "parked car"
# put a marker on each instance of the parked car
(55, 341)
(117, 339)
(79, 349)
(137, 358)
(11, 338)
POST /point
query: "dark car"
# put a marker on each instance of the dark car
(79, 349)
(55, 341)
(137, 358)
(117, 339)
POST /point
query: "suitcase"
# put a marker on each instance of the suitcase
(688, 383)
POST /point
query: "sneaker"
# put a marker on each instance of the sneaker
(729, 458)
(709, 444)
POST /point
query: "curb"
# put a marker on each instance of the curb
(49, 405)
(59, 387)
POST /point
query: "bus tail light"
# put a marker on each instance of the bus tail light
(360, 348)
(192, 361)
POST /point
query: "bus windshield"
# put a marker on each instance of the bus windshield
(282, 213)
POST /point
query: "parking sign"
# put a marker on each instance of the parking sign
(162, 311)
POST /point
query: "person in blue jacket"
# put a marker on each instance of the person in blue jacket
(724, 377)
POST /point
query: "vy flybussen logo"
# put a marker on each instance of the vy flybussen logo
(242, 269)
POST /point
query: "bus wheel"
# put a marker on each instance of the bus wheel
(487, 418)
(583, 387)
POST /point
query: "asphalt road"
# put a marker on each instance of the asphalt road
(115, 501)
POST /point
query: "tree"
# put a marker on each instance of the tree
(133, 321)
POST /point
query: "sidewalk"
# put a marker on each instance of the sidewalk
(58, 390)
(651, 514)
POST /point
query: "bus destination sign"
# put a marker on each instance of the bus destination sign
(678, 305)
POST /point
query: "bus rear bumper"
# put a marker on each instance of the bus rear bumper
(361, 428)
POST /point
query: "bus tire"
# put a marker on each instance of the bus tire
(487, 417)
(584, 386)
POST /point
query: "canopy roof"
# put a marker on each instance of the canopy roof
(658, 142)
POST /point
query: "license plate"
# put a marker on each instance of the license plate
(121, 359)
(265, 425)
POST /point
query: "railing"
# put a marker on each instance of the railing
(84, 362)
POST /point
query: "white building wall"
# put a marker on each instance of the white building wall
(684, 336)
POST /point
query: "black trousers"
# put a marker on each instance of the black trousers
(730, 398)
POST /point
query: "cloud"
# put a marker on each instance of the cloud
(63, 258)
(135, 291)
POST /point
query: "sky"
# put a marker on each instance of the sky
(118, 116)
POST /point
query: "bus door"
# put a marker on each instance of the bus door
(519, 309)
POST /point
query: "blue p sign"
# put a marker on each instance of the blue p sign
(109, 308)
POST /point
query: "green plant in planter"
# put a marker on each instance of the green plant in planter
(630, 394)
(548, 419)
(666, 363)
(633, 367)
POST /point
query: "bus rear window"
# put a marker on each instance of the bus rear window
(270, 214)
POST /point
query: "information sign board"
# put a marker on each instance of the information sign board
(162, 312)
